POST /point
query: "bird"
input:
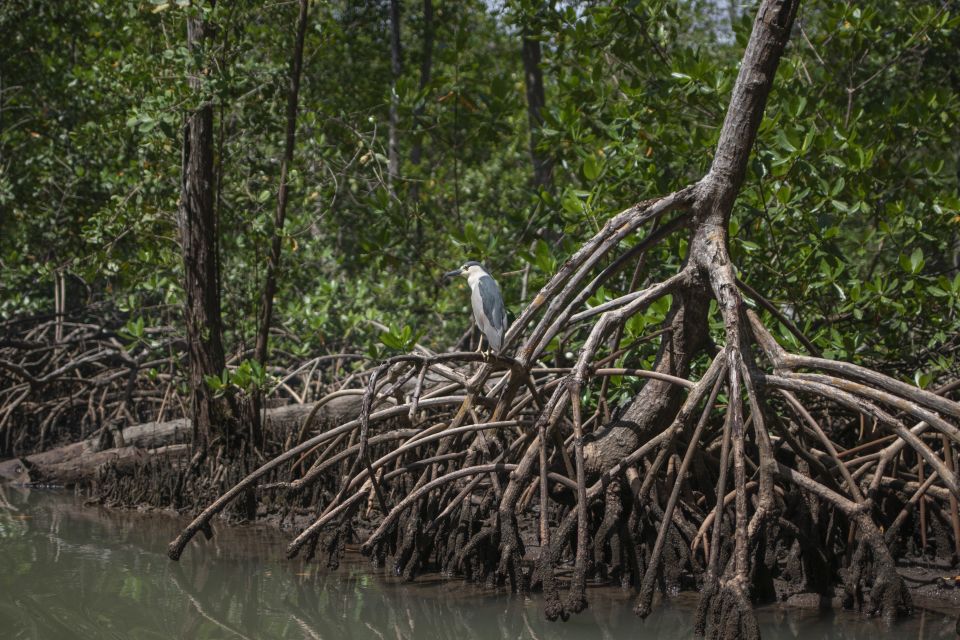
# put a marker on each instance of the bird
(488, 310)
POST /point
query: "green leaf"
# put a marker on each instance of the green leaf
(916, 260)
(213, 382)
(784, 142)
(391, 340)
(591, 167)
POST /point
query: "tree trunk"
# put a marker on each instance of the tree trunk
(276, 245)
(198, 226)
(657, 404)
(955, 257)
(416, 154)
(536, 102)
(396, 67)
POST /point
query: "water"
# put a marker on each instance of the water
(75, 573)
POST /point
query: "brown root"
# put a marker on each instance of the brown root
(725, 611)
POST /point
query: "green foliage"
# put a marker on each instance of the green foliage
(400, 339)
(245, 377)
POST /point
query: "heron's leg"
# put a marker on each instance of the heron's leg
(486, 352)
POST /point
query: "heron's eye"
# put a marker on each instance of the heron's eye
(19, 470)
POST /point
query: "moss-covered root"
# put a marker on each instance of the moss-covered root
(726, 613)
(707, 594)
(889, 597)
(511, 568)
(553, 606)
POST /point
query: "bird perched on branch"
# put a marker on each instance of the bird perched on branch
(488, 309)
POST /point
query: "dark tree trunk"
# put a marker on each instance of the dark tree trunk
(536, 102)
(276, 246)
(396, 66)
(197, 225)
(955, 253)
(426, 69)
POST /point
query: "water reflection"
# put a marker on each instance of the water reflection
(72, 572)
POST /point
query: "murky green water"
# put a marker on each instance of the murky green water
(72, 572)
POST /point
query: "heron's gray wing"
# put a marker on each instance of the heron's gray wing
(493, 319)
(492, 302)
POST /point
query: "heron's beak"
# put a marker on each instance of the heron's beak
(452, 274)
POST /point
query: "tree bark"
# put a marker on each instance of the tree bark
(536, 102)
(426, 70)
(396, 67)
(657, 404)
(276, 246)
(198, 228)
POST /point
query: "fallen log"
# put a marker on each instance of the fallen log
(77, 463)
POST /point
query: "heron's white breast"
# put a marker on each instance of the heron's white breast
(474, 275)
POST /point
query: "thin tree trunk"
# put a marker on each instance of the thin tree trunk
(536, 102)
(955, 253)
(396, 66)
(197, 226)
(426, 68)
(265, 318)
(276, 247)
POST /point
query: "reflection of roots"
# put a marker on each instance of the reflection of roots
(717, 464)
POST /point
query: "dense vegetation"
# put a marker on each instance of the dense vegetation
(428, 133)
(847, 214)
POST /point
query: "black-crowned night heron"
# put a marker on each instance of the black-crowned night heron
(488, 309)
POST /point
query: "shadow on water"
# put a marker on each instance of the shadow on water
(72, 572)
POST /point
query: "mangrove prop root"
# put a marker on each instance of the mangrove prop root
(462, 461)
